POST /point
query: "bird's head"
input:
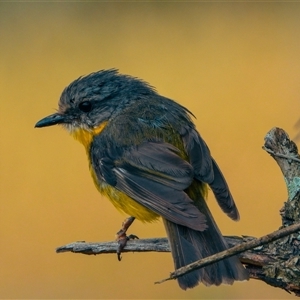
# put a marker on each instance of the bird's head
(90, 101)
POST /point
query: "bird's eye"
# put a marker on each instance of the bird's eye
(85, 106)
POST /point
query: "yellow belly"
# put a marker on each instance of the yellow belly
(126, 204)
(120, 200)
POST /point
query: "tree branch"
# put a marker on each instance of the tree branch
(156, 245)
(275, 263)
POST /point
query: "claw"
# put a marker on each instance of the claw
(122, 238)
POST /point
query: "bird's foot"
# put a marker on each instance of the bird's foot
(122, 238)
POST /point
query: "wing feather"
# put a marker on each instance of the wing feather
(171, 204)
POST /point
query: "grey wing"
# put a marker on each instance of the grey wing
(207, 170)
(154, 175)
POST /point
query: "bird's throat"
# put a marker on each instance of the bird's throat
(85, 136)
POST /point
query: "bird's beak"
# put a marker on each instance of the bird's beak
(50, 120)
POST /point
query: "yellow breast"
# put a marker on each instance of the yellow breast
(120, 200)
(85, 137)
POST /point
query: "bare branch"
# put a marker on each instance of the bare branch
(141, 245)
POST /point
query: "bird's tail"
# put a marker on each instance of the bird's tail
(188, 245)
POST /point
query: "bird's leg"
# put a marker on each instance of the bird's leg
(122, 238)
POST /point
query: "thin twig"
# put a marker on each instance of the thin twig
(141, 245)
(233, 251)
(159, 245)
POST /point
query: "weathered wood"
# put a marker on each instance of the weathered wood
(137, 245)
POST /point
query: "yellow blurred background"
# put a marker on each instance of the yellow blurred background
(236, 66)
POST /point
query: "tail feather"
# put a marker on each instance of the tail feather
(188, 245)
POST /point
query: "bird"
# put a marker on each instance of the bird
(146, 156)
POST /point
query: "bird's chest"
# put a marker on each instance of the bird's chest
(124, 203)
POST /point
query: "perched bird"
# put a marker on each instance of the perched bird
(147, 158)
